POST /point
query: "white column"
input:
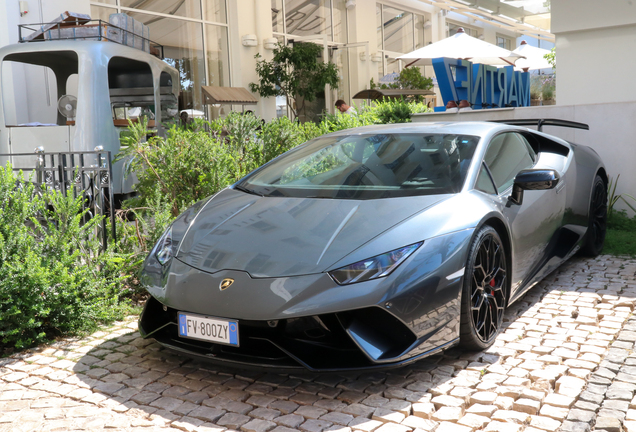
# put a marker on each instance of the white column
(263, 28)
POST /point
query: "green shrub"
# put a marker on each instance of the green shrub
(53, 278)
(379, 112)
(613, 198)
(409, 78)
(397, 111)
(338, 121)
(280, 135)
(185, 167)
(138, 229)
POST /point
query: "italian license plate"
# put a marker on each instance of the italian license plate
(217, 330)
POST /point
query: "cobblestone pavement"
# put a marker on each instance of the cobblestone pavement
(563, 362)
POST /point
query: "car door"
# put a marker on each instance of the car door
(532, 224)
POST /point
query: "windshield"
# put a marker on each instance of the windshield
(368, 167)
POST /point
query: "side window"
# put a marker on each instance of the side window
(32, 98)
(484, 183)
(531, 151)
(507, 154)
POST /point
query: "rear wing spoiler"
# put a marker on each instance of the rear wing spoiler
(539, 123)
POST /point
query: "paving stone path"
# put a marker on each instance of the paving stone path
(564, 362)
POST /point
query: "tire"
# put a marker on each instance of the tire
(597, 224)
(485, 290)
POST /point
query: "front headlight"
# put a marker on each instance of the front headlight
(374, 267)
(163, 249)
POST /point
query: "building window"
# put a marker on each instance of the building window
(216, 55)
(277, 16)
(398, 32)
(419, 26)
(504, 42)
(194, 35)
(39, 104)
(452, 27)
(312, 20)
(397, 26)
(182, 49)
(182, 8)
(294, 18)
(308, 17)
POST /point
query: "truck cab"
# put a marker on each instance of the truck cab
(95, 87)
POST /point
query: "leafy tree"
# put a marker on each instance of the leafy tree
(295, 72)
(412, 78)
(409, 78)
(551, 58)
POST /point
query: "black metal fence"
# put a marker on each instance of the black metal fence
(86, 173)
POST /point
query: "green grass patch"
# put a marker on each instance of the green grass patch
(621, 235)
(619, 242)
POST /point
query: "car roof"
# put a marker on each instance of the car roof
(24, 52)
(477, 128)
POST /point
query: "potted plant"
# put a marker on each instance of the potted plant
(535, 90)
(547, 91)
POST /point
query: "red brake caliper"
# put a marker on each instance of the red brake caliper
(492, 284)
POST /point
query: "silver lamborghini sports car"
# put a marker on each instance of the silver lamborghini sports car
(374, 247)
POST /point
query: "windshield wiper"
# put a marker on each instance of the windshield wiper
(246, 190)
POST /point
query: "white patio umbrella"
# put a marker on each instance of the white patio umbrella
(533, 57)
(461, 46)
(389, 78)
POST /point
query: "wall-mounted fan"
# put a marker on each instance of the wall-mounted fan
(67, 106)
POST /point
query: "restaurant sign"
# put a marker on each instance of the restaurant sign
(483, 86)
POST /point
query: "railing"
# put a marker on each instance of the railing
(86, 173)
(98, 30)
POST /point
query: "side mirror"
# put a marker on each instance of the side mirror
(537, 179)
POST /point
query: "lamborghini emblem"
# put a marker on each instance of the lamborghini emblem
(226, 283)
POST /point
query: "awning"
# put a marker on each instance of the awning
(227, 96)
(391, 93)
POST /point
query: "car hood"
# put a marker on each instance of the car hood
(277, 237)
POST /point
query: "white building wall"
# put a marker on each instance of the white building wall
(362, 69)
(250, 17)
(39, 11)
(594, 50)
(9, 19)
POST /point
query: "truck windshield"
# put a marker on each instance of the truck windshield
(368, 167)
(38, 80)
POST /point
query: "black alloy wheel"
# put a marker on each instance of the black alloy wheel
(597, 225)
(484, 291)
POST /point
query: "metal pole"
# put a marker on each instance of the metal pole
(62, 172)
(100, 200)
(325, 54)
(111, 199)
(39, 165)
